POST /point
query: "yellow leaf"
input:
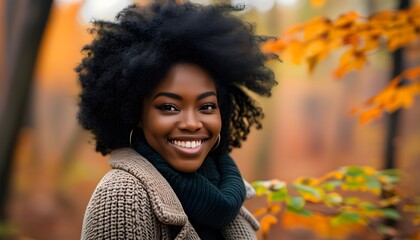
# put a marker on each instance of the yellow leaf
(370, 171)
(334, 174)
(389, 201)
(317, 3)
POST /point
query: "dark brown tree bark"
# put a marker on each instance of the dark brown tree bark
(24, 24)
(394, 121)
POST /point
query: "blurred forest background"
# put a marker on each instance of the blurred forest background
(48, 164)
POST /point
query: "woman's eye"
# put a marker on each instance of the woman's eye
(208, 107)
(167, 107)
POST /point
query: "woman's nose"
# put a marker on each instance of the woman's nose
(190, 121)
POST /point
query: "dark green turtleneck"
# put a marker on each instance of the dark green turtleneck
(211, 196)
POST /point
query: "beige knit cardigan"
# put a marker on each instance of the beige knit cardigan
(134, 201)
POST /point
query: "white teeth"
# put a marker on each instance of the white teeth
(187, 144)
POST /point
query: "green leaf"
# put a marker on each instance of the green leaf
(278, 196)
(331, 185)
(303, 212)
(390, 172)
(308, 190)
(296, 202)
(373, 183)
(351, 185)
(390, 213)
(354, 171)
(334, 198)
(277, 186)
(346, 218)
(367, 206)
(391, 179)
(261, 187)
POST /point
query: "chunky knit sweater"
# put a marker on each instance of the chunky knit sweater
(134, 201)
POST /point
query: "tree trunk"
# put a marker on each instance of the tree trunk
(393, 122)
(25, 22)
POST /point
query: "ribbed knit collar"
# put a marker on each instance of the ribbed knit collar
(212, 196)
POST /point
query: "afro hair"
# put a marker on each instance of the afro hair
(129, 56)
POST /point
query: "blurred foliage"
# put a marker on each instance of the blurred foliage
(348, 196)
(8, 231)
(360, 37)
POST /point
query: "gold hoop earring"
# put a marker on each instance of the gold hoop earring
(216, 145)
(131, 135)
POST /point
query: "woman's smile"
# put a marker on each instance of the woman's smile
(189, 148)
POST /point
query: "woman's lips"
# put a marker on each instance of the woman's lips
(188, 147)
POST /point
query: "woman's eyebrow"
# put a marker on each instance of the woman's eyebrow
(168, 94)
(206, 94)
(178, 97)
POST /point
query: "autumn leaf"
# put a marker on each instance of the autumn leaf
(370, 114)
(259, 212)
(352, 59)
(317, 3)
(309, 193)
(346, 20)
(295, 52)
(315, 28)
(412, 73)
(266, 223)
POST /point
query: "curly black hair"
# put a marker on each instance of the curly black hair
(130, 56)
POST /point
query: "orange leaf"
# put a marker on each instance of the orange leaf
(346, 20)
(370, 114)
(260, 211)
(400, 37)
(351, 60)
(383, 16)
(266, 222)
(295, 51)
(412, 73)
(274, 46)
(316, 27)
(274, 208)
(371, 43)
(317, 47)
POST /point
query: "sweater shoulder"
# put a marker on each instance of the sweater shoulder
(119, 209)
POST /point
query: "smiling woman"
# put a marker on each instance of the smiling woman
(162, 92)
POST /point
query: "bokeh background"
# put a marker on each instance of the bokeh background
(52, 168)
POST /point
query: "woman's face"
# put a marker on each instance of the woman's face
(181, 118)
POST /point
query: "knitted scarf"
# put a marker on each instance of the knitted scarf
(211, 196)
